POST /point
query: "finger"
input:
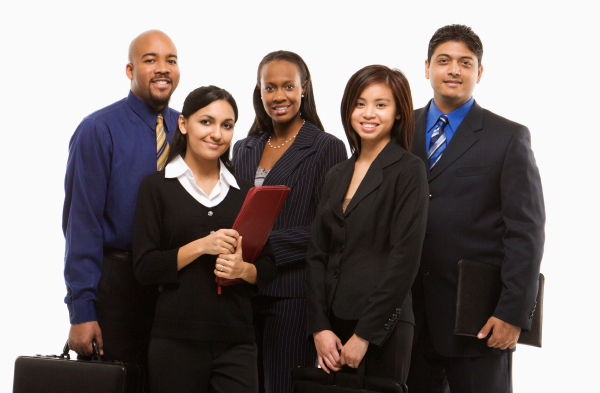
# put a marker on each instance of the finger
(512, 345)
(228, 248)
(322, 364)
(331, 365)
(238, 250)
(100, 342)
(485, 330)
(231, 233)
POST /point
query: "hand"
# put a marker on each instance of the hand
(328, 346)
(233, 266)
(223, 241)
(81, 335)
(354, 351)
(504, 335)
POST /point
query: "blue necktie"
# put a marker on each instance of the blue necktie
(438, 142)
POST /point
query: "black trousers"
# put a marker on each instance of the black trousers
(196, 366)
(281, 338)
(431, 372)
(391, 360)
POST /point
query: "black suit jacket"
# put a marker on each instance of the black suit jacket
(486, 204)
(361, 263)
(302, 168)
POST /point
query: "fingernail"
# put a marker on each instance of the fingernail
(480, 335)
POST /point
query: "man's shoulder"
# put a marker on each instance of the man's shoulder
(492, 119)
(106, 112)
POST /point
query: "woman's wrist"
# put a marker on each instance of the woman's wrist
(249, 274)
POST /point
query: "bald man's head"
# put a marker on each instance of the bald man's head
(153, 68)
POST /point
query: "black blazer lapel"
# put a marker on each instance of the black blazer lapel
(418, 147)
(294, 156)
(374, 176)
(253, 151)
(463, 139)
(345, 172)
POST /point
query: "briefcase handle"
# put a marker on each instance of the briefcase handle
(95, 347)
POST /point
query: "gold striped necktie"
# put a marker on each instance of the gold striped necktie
(162, 146)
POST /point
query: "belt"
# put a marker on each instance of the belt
(117, 253)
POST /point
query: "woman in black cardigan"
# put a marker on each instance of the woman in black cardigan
(366, 239)
(201, 340)
(286, 146)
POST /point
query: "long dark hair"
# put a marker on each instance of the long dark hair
(262, 122)
(196, 100)
(404, 128)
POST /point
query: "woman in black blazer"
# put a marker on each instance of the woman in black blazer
(366, 240)
(286, 146)
(201, 340)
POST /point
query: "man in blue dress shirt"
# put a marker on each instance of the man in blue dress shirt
(485, 205)
(110, 153)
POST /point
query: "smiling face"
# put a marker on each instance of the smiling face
(281, 90)
(453, 72)
(209, 131)
(153, 68)
(374, 114)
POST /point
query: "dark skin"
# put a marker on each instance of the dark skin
(281, 90)
(154, 74)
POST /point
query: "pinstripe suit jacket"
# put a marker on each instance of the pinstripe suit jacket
(302, 168)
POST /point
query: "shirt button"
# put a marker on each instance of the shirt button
(430, 197)
(210, 214)
(426, 272)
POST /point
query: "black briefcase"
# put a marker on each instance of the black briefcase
(315, 380)
(54, 374)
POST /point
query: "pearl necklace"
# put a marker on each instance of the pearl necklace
(280, 146)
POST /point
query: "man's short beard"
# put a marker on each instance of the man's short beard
(157, 102)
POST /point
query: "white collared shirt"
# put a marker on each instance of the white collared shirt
(179, 169)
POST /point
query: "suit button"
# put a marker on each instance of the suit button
(394, 316)
(426, 272)
(386, 326)
(427, 233)
(342, 224)
(210, 214)
(336, 274)
(398, 311)
(342, 248)
(430, 197)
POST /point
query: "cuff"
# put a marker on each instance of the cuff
(82, 312)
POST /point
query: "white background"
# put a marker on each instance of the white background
(62, 60)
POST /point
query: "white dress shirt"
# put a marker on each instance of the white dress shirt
(179, 169)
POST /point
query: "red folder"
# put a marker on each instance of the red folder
(255, 221)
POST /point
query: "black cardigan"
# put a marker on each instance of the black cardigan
(168, 217)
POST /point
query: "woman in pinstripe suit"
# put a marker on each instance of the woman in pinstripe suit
(286, 146)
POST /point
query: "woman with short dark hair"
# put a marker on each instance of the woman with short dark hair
(366, 239)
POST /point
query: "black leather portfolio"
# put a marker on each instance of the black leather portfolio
(479, 287)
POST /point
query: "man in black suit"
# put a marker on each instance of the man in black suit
(485, 205)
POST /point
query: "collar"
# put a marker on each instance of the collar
(147, 113)
(454, 118)
(177, 167)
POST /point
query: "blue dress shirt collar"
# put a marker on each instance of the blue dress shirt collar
(454, 118)
(146, 112)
